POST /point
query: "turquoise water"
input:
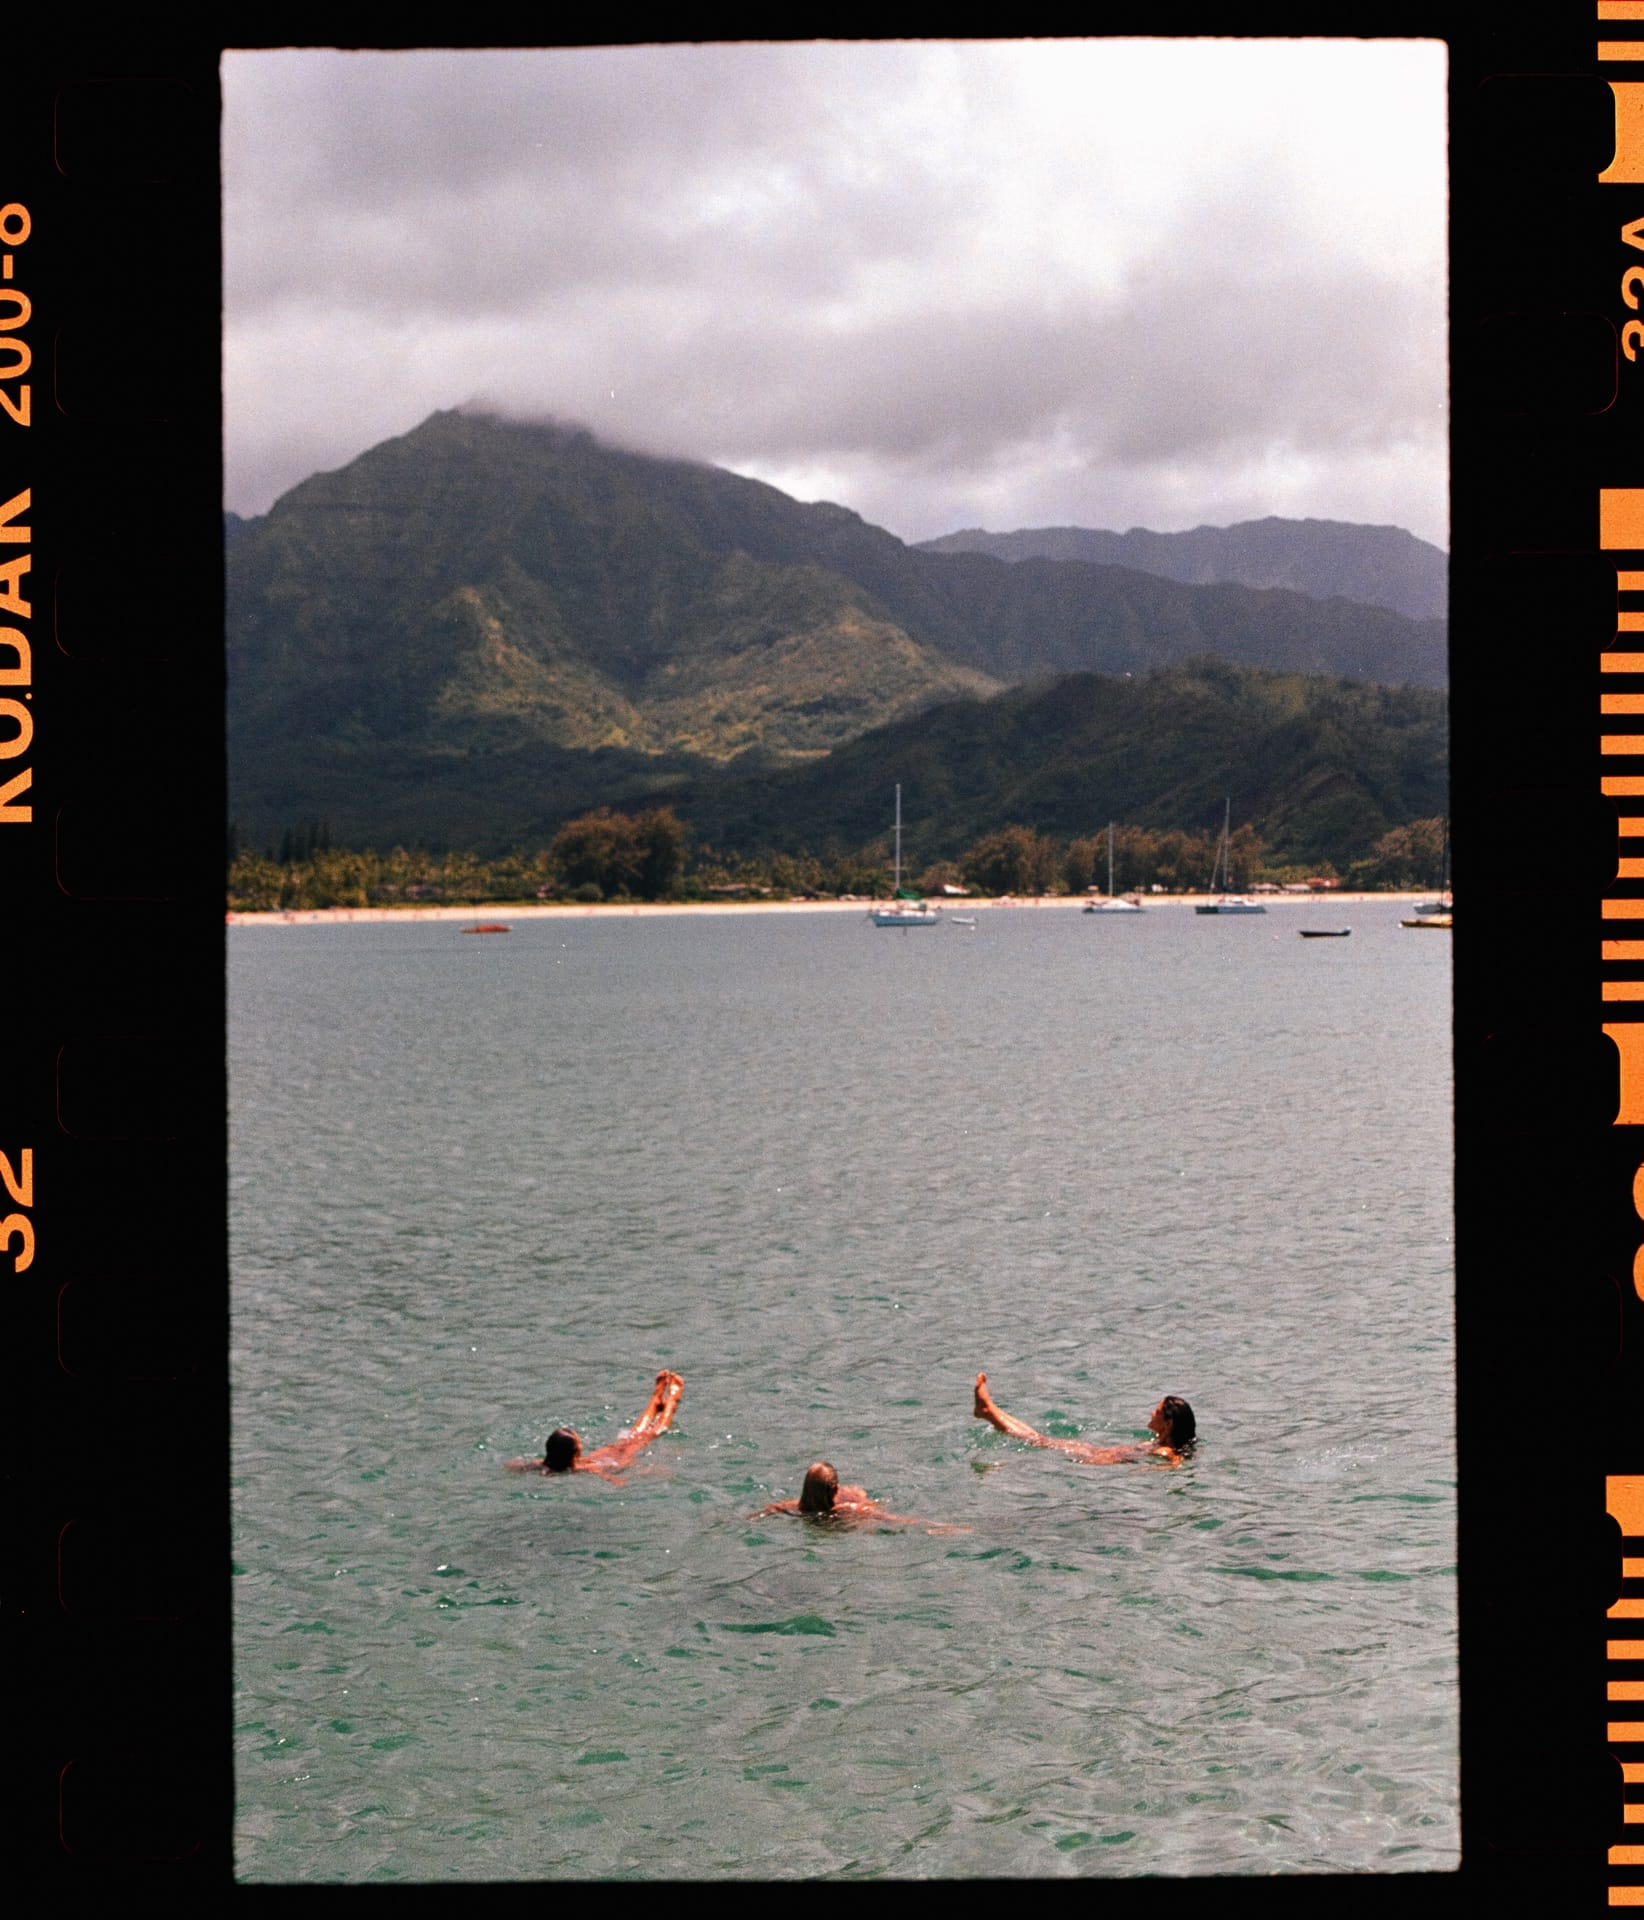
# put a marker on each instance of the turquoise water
(481, 1188)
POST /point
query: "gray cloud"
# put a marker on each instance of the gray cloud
(949, 284)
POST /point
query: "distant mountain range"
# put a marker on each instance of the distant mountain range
(477, 628)
(1326, 559)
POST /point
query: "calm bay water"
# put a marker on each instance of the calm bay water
(481, 1188)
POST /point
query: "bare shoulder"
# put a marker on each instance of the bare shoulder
(853, 1504)
(602, 1469)
(522, 1466)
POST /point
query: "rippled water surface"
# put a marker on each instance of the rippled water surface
(481, 1188)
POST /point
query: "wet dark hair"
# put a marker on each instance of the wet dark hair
(820, 1480)
(564, 1444)
(1183, 1427)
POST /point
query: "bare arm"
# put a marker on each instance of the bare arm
(1076, 1449)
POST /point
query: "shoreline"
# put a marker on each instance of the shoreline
(496, 911)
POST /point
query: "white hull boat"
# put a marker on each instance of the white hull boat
(1227, 902)
(1126, 903)
(904, 910)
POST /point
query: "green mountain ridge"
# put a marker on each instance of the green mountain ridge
(476, 629)
(473, 584)
(1321, 767)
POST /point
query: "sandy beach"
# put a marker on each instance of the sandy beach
(1322, 904)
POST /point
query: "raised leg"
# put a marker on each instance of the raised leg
(984, 1409)
(659, 1412)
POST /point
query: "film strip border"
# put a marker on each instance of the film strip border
(1548, 580)
(1619, 50)
(1621, 704)
(111, 1087)
(1621, 531)
(1624, 1688)
(125, 1626)
(1618, 13)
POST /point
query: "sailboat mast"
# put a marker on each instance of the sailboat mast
(898, 886)
(1110, 859)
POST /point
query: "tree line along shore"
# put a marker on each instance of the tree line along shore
(648, 857)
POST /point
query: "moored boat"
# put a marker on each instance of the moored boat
(1127, 903)
(1445, 903)
(1227, 901)
(906, 909)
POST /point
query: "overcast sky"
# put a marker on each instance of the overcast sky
(1159, 283)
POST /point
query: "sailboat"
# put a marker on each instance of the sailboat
(1445, 901)
(1129, 904)
(1227, 902)
(905, 909)
(1439, 912)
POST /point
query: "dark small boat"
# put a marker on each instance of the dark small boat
(1324, 933)
(491, 926)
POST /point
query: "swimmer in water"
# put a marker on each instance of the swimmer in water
(1171, 1423)
(823, 1498)
(563, 1453)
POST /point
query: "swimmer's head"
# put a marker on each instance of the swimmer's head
(1172, 1420)
(560, 1454)
(820, 1488)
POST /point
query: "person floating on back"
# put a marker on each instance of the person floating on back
(1171, 1423)
(563, 1453)
(823, 1498)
